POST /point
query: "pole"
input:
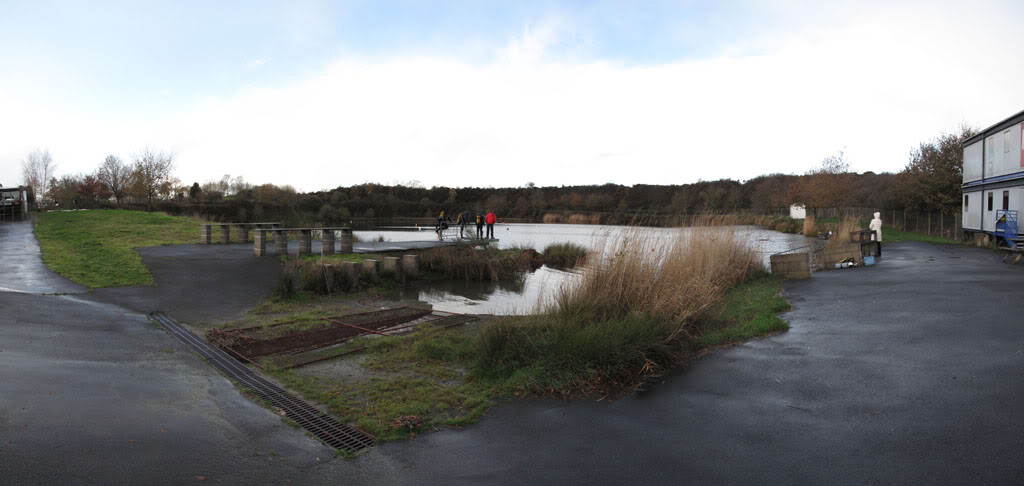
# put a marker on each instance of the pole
(929, 223)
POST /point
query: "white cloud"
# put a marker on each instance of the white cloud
(876, 86)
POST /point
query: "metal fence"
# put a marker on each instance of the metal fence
(932, 223)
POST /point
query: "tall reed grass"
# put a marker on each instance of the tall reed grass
(630, 313)
(842, 234)
(810, 229)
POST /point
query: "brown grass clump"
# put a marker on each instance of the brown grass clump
(552, 218)
(585, 219)
(810, 229)
(465, 263)
(673, 279)
(842, 235)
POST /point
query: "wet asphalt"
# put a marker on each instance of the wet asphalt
(908, 372)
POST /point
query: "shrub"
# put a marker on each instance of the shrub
(628, 314)
(842, 234)
(564, 254)
(466, 263)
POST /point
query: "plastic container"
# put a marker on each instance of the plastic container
(869, 260)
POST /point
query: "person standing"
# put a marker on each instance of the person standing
(480, 224)
(876, 226)
(490, 220)
(461, 221)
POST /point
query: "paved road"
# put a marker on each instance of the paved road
(20, 257)
(909, 372)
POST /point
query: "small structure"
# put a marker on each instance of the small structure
(797, 211)
(993, 182)
(13, 203)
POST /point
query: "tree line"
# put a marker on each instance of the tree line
(930, 181)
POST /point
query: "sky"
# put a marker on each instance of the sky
(320, 94)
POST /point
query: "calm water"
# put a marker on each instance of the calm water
(523, 296)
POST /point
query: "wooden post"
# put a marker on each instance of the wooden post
(225, 234)
(942, 223)
(929, 223)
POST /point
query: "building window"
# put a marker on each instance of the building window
(990, 201)
(966, 198)
(1006, 200)
(990, 145)
(1007, 141)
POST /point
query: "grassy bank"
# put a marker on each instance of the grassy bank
(97, 248)
(624, 321)
(399, 386)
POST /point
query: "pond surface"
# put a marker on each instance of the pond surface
(525, 295)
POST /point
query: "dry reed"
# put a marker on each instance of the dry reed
(810, 229)
(670, 279)
(842, 235)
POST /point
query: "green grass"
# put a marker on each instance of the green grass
(97, 248)
(414, 383)
(438, 377)
(893, 236)
(748, 311)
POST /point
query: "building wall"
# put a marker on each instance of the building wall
(971, 217)
(1003, 152)
(977, 215)
(972, 161)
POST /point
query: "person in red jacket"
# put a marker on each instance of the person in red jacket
(490, 220)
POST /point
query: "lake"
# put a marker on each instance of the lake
(524, 295)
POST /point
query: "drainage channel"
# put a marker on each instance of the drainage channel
(321, 425)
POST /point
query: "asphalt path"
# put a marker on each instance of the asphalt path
(907, 372)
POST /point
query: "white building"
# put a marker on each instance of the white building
(994, 178)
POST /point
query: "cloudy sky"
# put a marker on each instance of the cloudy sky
(320, 94)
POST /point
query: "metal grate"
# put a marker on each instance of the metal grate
(321, 425)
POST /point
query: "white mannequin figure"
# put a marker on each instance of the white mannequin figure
(876, 226)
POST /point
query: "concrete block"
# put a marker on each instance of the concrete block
(281, 242)
(350, 272)
(244, 230)
(792, 265)
(327, 242)
(346, 241)
(225, 234)
(369, 269)
(259, 242)
(305, 242)
(837, 253)
(390, 266)
(411, 266)
(204, 234)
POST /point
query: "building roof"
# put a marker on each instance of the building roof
(1016, 118)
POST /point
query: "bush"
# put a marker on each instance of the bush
(630, 313)
(466, 263)
(564, 254)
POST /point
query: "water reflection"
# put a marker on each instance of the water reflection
(520, 296)
(523, 296)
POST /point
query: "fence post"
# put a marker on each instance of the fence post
(942, 223)
(929, 223)
(904, 219)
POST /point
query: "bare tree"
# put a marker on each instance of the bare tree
(116, 176)
(38, 169)
(150, 174)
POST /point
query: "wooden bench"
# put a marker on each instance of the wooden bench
(225, 231)
(305, 240)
